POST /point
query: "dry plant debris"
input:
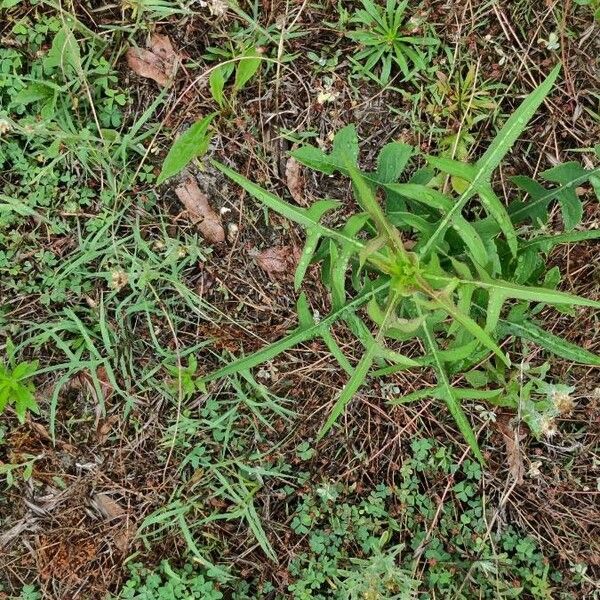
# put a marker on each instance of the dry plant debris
(199, 210)
(277, 260)
(158, 62)
(296, 184)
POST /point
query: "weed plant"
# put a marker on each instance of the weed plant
(459, 287)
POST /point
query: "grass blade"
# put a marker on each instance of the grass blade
(351, 387)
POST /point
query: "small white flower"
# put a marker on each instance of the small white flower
(118, 280)
(563, 402)
(548, 427)
(534, 469)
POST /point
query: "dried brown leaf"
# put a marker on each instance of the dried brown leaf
(110, 509)
(122, 539)
(296, 183)
(158, 62)
(512, 438)
(277, 260)
(104, 428)
(204, 217)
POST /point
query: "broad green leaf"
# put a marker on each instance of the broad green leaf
(24, 401)
(64, 53)
(570, 205)
(345, 151)
(453, 167)
(34, 92)
(458, 353)
(345, 147)
(189, 145)
(314, 158)
(216, 81)
(392, 161)
(246, 69)
(536, 209)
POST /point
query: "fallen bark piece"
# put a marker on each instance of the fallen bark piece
(198, 208)
(158, 62)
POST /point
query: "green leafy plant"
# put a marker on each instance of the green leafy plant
(527, 390)
(459, 101)
(370, 545)
(242, 67)
(168, 583)
(449, 290)
(24, 468)
(189, 145)
(387, 37)
(16, 388)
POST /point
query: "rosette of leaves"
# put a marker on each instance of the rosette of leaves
(461, 288)
(387, 37)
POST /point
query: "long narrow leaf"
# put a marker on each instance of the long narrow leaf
(556, 345)
(293, 339)
(495, 153)
(450, 398)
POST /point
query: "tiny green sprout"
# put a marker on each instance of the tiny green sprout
(406, 274)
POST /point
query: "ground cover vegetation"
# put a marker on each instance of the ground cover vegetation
(299, 299)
